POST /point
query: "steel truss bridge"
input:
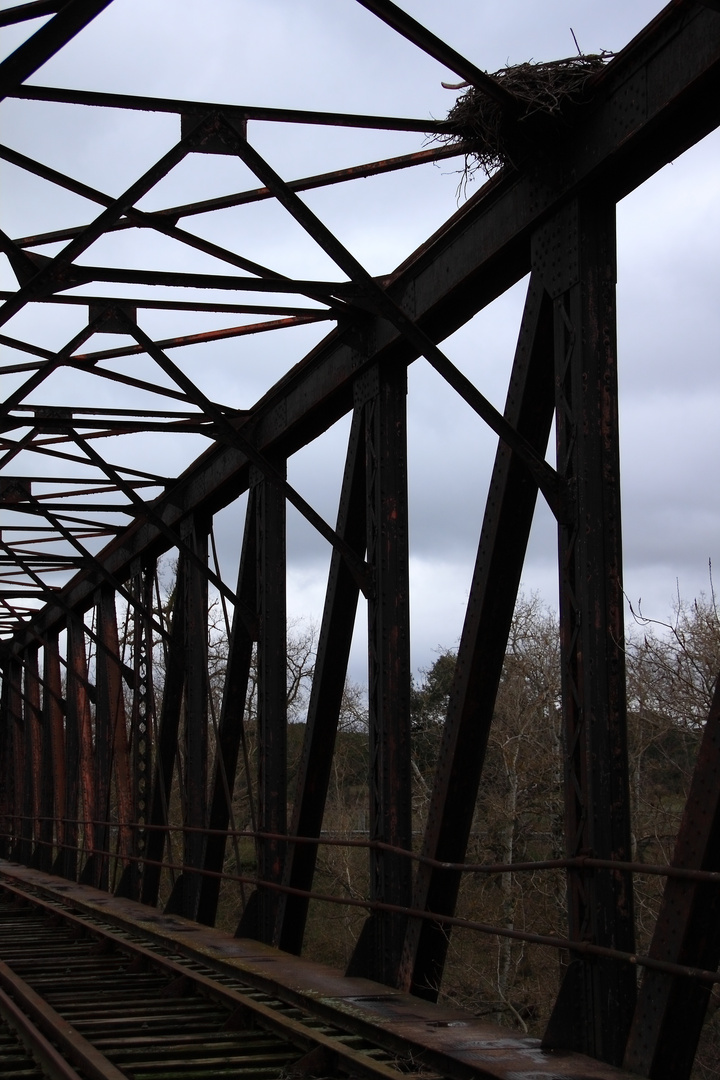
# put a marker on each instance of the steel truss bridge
(93, 739)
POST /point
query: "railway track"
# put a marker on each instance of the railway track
(78, 990)
(96, 987)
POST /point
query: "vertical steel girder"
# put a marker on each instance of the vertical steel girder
(575, 253)
(266, 508)
(196, 719)
(271, 699)
(167, 739)
(80, 790)
(53, 754)
(6, 799)
(67, 856)
(12, 725)
(79, 690)
(141, 719)
(33, 753)
(671, 1009)
(493, 592)
(331, 664)
(382, 393)
(194, 598)
(230, 733)
(111, 736)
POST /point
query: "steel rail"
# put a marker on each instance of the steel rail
(242, 1004)
(93, 1064)
(39, 1047)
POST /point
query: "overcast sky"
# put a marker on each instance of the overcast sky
(335, 55)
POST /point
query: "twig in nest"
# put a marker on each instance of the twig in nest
(540, 89)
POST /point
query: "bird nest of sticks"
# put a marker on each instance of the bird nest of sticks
(490, 136)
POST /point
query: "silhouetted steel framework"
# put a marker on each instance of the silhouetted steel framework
(86, 780)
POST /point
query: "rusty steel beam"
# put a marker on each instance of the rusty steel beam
(19, 743)
(178, 539)
(142, 714)
(230, 735)
(33, 760)
(671, 1008)
(209, 335)
(166, 747)
(80, 789)
(60, 272)
(496, 579)
(90, 562)
(330, 292)
(240, 198)
(52, 803)
(194, 598)
(8, 703)
(159, 305)
(12, 727)
(326, 694)
(576, 258)
(30, 263)
(238, 113)
(69, 20)
(110, 710)
(271, 528)
(110, 753)
(381, 394)
(227, 431)
(382, 305)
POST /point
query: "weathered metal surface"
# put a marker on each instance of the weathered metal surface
(354, 172)
(671, 1009)
(576, 256)
(381, 394)
(166, 742)
(496, 578)
(33, 753)
(53, 767)
(231, 734)
(194, 598)
(270, 582)
(326, 695)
